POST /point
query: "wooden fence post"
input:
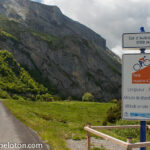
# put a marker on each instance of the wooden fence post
(88, 139)
(129, 140)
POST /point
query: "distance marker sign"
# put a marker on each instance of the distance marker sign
(136, 40)
(136, 87)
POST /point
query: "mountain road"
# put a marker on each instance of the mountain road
(14, 135)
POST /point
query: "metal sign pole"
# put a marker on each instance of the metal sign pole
(143, 133)
(142, 123)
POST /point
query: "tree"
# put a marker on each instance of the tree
(87, 97)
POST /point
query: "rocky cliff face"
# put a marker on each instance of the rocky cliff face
(70, 57)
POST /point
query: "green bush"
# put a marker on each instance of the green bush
(57, 98)
(45, 97)
(87, 97)
(17, 97)
(4, 94)
(113, 114)
(69, 98)
(114, 101)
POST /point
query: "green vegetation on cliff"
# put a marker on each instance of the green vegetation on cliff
(15, 81)
(8, 35)
(10, 26)
(53, 41)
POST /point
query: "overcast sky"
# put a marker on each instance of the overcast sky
(109, 18)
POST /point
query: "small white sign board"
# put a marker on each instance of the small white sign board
(136, 87)
(136, 40)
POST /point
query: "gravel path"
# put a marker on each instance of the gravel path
(81, 144)
(12, 131)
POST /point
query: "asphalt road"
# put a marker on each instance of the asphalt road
(13, 131)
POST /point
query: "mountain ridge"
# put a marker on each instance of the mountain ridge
(56, 17)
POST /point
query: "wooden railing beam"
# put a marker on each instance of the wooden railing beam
(115, 127)
(106, 137)
(128, 145)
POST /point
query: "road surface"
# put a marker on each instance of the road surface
(12, 132)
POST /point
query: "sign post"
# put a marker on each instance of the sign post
(136, 80)
(142, 123)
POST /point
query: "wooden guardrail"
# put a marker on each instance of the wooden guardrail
(128, 145)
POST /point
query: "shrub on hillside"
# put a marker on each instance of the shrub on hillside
(45, 97)
(87, 97)
(4, 94)
(57, 98)
(114, 101)
(69, 98)
(113, 114)
(17, 97)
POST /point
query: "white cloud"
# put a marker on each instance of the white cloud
(109, 18)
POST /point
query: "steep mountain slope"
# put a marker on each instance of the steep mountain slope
(71, 58)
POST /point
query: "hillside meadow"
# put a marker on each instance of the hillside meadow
(57, 121)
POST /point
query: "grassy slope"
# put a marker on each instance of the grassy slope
(57, 121)
(15, 80)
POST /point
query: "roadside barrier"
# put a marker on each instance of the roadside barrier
(128, 145)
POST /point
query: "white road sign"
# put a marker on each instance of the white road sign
(136, 87)
(136, 40)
